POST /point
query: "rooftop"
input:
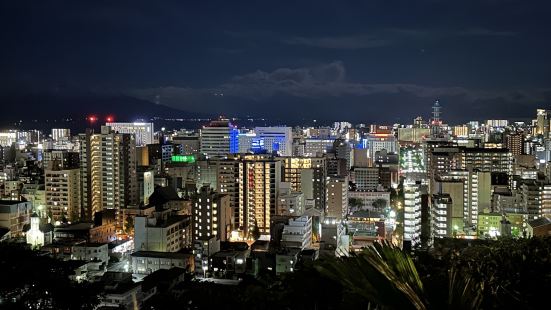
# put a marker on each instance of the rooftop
(542, 221)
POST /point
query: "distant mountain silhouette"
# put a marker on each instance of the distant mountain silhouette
(58, 105)
(37, 107)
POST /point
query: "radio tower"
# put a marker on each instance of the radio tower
(436, 123)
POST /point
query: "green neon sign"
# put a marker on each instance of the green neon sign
(183, 159)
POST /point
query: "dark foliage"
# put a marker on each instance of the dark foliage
(34, 281)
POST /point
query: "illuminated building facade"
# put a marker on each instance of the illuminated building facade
(143, 132)
(108, 171)
(212, 215)
(307, 175)
(258, 191)
(219, 139)
(63, 197)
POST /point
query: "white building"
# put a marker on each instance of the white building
(289, 202)
(279, 139)
(143, 132)
(160, 233)
(378, 142)
(146, 262)
(298, 233)
(219, 139)
(148, 186)
(35, 237)
(95, 253)
(412, 212)
(7, 138)
(61, 134)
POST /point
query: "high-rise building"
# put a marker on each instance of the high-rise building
(258, 190)
(62, 187)
(545, 200)
(461, 131)
(276, 139)
(148, 186)
(455, 189)
(366, 179)
(412, 212)
(307, 175)
(497, 123)
(443, 216)
(337, 197)
(108, 171)
(343, 151)
(143, 132)
(7, 138)
(212, 215)
(542, 122)
(515, 143)
(219, 139)
(477, 192)
(487, 160)
(381, 141)
(60, 159)
(61, 134)
(289, 202)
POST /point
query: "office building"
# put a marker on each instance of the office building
(59, 134)
(276, 139)
(143, 132)
(366, 179)
(219, 139)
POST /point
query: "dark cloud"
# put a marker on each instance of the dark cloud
(340, 42)
(485, 32)
(303, 90)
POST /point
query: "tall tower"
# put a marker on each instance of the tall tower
(436, 122)
(108, 171)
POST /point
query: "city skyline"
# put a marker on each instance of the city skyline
(381, 154)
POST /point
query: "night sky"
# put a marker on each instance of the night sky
(369, 61)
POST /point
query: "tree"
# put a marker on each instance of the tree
(41, 282)
(355, 204)
(380, 204)
(381, 275)
(129, 224)
(254, 231)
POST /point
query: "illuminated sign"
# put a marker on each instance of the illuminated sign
(183, 159)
